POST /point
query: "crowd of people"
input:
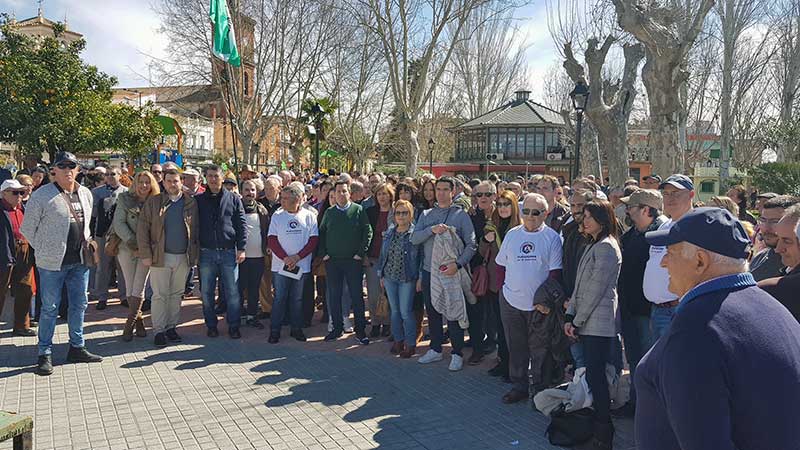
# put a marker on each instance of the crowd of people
(549, 277)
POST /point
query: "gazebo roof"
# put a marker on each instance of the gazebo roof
(517, 113)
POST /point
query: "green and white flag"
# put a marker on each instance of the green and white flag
(224, 38)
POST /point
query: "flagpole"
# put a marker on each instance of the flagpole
(226, 82)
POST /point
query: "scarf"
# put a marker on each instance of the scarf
(250, 206)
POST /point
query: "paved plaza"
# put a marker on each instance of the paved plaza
(225, 394)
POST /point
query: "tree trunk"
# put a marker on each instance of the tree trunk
(662, 83)
(725, 109)
(616, 159)
(409, 129)
(590, 164)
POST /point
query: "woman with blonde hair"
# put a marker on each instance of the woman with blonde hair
(126, 217)
(504, 217)
(724, 202)
(398, 271)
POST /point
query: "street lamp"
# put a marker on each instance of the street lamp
(316, 111)
(431, 144)
(580, 97)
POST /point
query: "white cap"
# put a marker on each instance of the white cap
(100, 169)
(191, 172)
(11, 184)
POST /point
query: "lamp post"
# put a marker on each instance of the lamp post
(580, 97)
(316, 112)
(431, 144)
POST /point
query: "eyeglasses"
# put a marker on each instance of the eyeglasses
(503, 204)
(17, 192)
(766, 221)
(531, 212)
(483, 194)
(157, 171)
(401, 213)
(66, 166)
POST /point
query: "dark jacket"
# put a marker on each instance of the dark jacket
(411, 257)
(222, 228)
(479, 220)
(635, 254)
(785, 289)
(574, 245)
(557, 217)
(549, 328)
(8, 246)
(724, 376)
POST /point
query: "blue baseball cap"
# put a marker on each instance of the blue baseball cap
(712, 229)
(679, 181)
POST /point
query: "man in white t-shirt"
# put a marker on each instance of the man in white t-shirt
(678, 192)
(292, 238)
(529, 254)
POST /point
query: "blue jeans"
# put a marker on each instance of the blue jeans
(220, 264)
(339, 272)
(401, 302)
(288, 295)
(75, 279)
(660, 318)
(638, 339)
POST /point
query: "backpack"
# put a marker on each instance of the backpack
(570, 429)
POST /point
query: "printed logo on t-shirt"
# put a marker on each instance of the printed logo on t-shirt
(294, 226)
(526, 252)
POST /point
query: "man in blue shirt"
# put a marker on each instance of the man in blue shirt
(724, 374)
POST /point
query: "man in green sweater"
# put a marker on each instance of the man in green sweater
(344, 238)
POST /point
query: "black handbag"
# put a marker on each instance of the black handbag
(568, 429)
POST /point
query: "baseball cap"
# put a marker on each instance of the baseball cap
(100, 169)
(653, 177)
(11, 184)
(646, 197)
(767, 195)
(679, 181)
(229, 181)
(192, 172)
(712, 229)
(65, 157)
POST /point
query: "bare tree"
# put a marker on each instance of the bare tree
(785, 21)
(489, 66)
(418, 39)
(735, 18)
(668, 33)
(289, 37)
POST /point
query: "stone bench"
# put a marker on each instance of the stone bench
(18, 427)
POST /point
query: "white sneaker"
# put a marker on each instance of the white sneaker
(431, 356)
(456, 363)
(348, 325)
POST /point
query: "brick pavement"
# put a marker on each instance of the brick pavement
(247, 394)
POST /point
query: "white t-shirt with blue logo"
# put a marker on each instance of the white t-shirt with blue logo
(528, 259)
(293, 232)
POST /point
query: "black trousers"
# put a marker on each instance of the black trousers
(596, 351)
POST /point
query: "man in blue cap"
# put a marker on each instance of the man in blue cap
(725, 374)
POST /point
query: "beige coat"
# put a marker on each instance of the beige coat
(150, 228)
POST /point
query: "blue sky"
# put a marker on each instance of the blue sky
(121, 34)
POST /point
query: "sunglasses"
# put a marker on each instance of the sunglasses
(483, 194)
(401, 213)
(17, 192)
(532, 212)
(503, 204)
(64, 166)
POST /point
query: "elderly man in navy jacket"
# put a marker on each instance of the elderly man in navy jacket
(726, 374)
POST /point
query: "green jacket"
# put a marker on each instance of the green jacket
(344, 234)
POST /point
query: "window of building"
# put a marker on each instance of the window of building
(707, 187)
(203, 141)
(246, 84)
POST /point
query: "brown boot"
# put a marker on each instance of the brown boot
(407, 352)
(397, 347)
(127, 332)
